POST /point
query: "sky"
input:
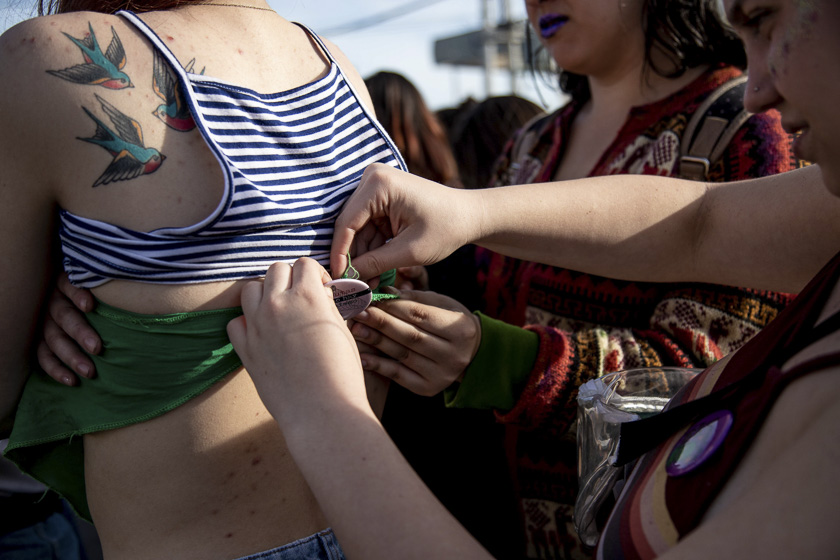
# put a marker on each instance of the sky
(403, 42)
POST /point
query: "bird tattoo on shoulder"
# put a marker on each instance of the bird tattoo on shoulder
(99, 69)
(174, 111)
(125, 143)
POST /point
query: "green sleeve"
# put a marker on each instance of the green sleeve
(499, 370)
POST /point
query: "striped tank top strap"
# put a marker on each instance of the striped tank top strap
(147, 31)
(371, 116)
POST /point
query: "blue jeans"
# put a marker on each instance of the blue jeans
(320, 546)
(54, 538)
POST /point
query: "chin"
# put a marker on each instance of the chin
(831, 177)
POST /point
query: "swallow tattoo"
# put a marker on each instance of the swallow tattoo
(191, 66)
(131, 157)
(99, 69)
(174, 112)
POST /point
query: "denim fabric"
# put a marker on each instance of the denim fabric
(55, 538)
(320, 546)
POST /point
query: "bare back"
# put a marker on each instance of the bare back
(212, 478)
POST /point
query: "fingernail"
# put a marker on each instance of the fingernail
(84, 303)
(90, 344)
(364, 363)
(361, 331)
(67, 380)
(363, 315)
(84, 369)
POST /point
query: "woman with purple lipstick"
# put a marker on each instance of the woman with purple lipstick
(550, 24)
(636, 72)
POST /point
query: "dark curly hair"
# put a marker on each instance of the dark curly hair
(684, 34)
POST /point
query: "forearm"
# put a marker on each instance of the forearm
(595, 225)
(377, 387)
(760, 234)
(378, 506)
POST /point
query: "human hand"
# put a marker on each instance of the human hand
(423, 221)
(66, 332)
(295, 345)
(412, 278)
(430, 338)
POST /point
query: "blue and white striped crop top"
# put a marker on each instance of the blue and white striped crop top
(290, 160)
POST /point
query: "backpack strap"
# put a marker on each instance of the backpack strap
(525, 140)
(529, 134)
(711, 128)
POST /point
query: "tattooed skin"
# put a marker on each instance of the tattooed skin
(131, 158)
(174, 111)
(99, 69)
(191, 66)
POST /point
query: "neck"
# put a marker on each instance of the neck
(618, 93)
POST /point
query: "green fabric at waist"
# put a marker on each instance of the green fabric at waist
(149, 365)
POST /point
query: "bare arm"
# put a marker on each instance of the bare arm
(377, 505)
(771, 233)
(26, 221)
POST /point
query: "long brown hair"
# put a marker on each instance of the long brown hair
(46, 7)
(415, 130)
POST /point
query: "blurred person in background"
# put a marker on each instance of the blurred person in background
(415, 129)
(479, 135)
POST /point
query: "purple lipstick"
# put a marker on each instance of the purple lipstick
(551, 24)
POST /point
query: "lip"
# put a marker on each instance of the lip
(551, 24)
(793, 127)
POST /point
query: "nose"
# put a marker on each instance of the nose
(761, 94)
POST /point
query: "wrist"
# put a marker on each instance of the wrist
(318, 421)
(477, 212)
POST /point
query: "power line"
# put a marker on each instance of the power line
(374, 20)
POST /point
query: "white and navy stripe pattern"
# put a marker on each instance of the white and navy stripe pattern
(290, 159)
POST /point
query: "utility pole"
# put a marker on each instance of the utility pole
(514, 49)
(494, 38)
(489, 46)
(498, 44)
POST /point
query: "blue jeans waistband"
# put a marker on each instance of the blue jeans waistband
(320, 546)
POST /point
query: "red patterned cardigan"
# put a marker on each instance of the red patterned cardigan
(589, 325)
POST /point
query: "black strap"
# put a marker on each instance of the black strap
(711, 129)
(638, 437)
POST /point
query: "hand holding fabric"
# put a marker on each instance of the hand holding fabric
(295, 345)
(430, 339)
(396, 219)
